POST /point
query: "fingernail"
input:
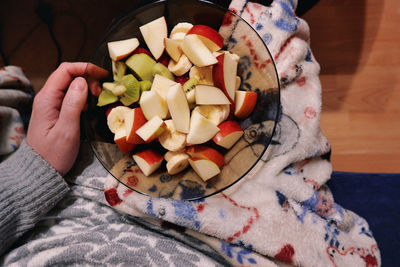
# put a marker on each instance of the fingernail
(79, 83)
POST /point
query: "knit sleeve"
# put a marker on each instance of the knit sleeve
(29, 188)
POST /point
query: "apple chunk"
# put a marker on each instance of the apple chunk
(148, 161)
(172, 46)
(120, 140)
(224, 73)
(205, 168)
(205, 152)
(210, 37)
(210, 95)
(244, 103)
(151, 129)
(197, 52)
(201, 129)
(152, 105)
(179, 108)
(154, 34)
(134, 119)
(161, 85)
(123, 48)
(230, 132)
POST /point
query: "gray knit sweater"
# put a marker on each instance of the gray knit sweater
(46, 221)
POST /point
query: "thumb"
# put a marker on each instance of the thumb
(73, 103)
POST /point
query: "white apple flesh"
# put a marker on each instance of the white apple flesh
(161, 85)
(151, 129)
(197, 52)
(210, 37)
(205, 168)
(224, 74)
(154, 34)
(123, 48)
(201, 129)
(148, 161)
(173, 48)
(153, 105)
(210, 95)
(179, 108)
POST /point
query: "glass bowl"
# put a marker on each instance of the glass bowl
(256, 69)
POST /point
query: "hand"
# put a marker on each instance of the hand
(54, 128)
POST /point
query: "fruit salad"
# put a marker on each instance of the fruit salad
(182, 92)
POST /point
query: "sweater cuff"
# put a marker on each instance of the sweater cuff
(30, 188)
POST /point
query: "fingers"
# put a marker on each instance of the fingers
(73, 104)
(60, 79)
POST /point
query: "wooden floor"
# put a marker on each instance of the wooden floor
(356, 42)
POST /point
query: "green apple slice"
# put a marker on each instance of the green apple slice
(142, 65)
(132, 93)
(160, 69)
(105, 98)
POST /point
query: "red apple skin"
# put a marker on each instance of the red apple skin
(141, 50)
(226, 128)
(205, 152)
(218, 75)
(124, 146)
(249, 102)
(139, 120)
(150, 156)
(208, 33)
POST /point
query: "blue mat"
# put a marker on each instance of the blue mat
(375, 197)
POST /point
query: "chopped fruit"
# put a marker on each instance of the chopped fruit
(105, 98)
(203, 74)
(179, 31)
(171, 139)
(161, 85)
(120, 140)
(132, 93)
(148, 161)
(205, 168)
(152, 105)
(134, 119)
(205, 152)
(119, 70)
(123, 48)
(224, 74)
(172, 46)
(162, 70)
(116, 118)
(115, 88)
(141, 50)
(215, 113)
(111, 107)
(245, 103)
(179, 108)
(182, 79)
(154, 34)
(230, 132)
(197, 52)
(164, 59)
(210, 95)
(190, 84)
(191, 98)
(237, 83)
(201, 129)
(142, 65)
(176, 162)
(181, 67)
(145, 85)
(210, 37)
(151, 130)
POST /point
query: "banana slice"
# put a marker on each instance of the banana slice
(116, 118)
(215, 113)
(181, 67)
(171, 139)
(204, 75)
(177, 162)
(180, 30)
